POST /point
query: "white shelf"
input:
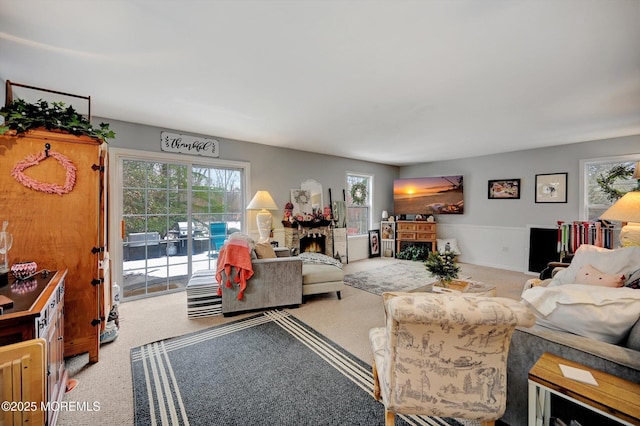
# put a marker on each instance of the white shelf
(388, 239)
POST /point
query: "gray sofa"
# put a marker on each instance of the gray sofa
(276, 282)
(528, 344)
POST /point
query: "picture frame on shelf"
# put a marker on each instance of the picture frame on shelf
(504, 189)
(551, 188)
(374, 243)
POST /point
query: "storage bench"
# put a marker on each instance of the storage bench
(202, 295)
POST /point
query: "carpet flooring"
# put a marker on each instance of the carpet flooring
(405, 276)
(267, 369)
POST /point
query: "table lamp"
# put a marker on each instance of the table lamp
(262, 201)
(627, 211)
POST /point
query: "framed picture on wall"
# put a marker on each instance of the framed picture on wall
(504, 189)
(374, 242)
(551, 188)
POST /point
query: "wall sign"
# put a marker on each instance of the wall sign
(183, 144)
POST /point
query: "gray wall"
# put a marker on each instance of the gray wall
(495, 232)
(278, 170)
(490, 232)
(524, 165)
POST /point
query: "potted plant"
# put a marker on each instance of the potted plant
(442, 266)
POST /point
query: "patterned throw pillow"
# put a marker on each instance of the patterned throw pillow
(319, 258)
(590, 275)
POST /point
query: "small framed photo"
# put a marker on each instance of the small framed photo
(504, 189)
(551, 188)
(374, 243)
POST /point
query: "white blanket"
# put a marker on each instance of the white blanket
(602, 313)
(546, 299)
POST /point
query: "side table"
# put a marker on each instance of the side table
(614, 401)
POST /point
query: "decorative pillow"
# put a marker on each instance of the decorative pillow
(450, 244)
(265, 251)
(622, 261)
(590, 275)
(601, 313)
(634, 280)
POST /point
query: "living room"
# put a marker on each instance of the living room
(492, 233)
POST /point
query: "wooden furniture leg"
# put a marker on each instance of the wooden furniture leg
(376, 383)
(389, 418)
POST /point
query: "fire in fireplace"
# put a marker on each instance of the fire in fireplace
(313, 242)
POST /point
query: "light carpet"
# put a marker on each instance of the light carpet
(397, 276)
(268, 369)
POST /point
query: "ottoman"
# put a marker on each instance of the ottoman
(202, 295)
(320, 278)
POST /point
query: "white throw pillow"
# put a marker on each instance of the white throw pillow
(450, 244)
(602, 313)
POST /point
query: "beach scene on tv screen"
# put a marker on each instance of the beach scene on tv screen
(428, 195)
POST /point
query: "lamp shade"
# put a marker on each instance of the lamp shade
(262, 200)
(626, 209)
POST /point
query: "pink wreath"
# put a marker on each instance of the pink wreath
(50, 188)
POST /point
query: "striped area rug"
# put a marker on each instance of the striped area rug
(269, 369)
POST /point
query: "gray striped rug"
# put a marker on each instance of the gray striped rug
(269, 369)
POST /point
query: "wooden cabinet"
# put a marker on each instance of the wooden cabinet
(64, 230)
(415, 232)
(38, 312)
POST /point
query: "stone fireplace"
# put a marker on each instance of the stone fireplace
(318, 239)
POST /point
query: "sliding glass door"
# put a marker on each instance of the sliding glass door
(174, 216)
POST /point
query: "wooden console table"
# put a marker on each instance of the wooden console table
(38, 312)
(420, 232)
(614, 401)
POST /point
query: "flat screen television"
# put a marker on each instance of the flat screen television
(428, 195)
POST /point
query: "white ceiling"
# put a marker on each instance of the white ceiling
(397, 82)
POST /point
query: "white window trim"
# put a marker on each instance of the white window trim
(584, 211)
(115, 193)
(369, 197)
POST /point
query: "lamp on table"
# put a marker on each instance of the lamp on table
(627, 211)
(264, 202)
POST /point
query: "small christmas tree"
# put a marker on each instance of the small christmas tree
(443, 266)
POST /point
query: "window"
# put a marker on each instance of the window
(173, 212)
(358, 203)
(604, 180)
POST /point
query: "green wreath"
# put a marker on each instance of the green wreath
(359, 193)
(607, 180)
